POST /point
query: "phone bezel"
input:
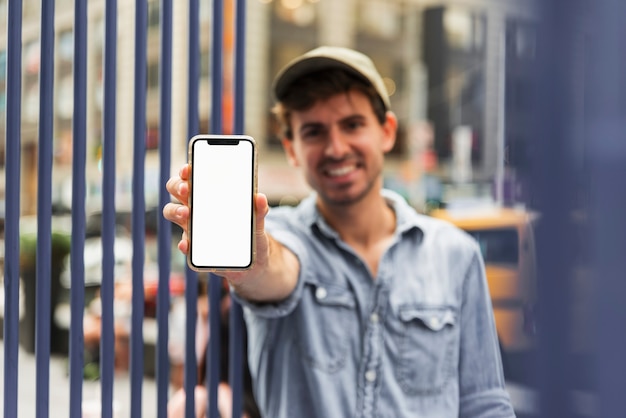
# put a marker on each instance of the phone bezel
(226, 138)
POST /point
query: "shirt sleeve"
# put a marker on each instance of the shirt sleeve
(481, 384)
(286, 306)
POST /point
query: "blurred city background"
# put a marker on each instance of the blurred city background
(443, 63)
(464, 82)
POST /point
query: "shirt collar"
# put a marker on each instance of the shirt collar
(406, 217)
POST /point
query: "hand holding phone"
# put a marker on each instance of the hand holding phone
(222, 214)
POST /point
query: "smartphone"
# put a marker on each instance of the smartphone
(222, 188)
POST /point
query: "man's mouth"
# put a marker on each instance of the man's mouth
(340, 171)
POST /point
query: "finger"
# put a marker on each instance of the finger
(183, 244)
(178, 188)
(184, 172)
(177, 213)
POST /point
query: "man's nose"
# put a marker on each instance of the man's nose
(336, 145)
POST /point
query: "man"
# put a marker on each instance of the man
(357, 305)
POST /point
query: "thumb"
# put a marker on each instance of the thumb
(262, 208)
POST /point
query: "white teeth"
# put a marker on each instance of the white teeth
(342, 171)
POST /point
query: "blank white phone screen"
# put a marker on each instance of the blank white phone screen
(221, 207)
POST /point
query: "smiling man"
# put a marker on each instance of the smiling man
(357, 305)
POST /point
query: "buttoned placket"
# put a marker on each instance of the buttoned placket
(370, 371)
(370, 368)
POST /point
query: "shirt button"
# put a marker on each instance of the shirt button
(370, 375)
(321, 293)
(374, 318)
(434, 322)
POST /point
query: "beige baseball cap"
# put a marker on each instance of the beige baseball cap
(330, 57)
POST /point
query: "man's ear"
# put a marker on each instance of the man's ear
(390, 129)
(290, 152)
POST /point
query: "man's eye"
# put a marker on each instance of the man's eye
(353, 124)
(311, 133)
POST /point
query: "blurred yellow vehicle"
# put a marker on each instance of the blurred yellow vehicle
(505, 237)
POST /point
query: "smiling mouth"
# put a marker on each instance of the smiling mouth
(340, 171)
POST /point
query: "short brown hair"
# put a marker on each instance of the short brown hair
(307, 90)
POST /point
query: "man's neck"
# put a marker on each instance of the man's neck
(366, 226)
(363, 223)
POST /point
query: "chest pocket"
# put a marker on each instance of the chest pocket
(426, 341)
(324, 318)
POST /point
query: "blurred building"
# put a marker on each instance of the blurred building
(442, 60)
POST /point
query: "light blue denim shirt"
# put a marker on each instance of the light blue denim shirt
(418, 340)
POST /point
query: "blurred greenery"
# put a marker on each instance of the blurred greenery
(60, 248)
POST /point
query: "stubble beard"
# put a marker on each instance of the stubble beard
(347, 199)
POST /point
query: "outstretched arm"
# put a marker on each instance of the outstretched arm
(274, 274)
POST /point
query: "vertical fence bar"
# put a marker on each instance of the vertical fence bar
(139, 209)
(236, 331)
(240, 66)
(606, 133)
(165, 230)
(215, 282)
(44, 209)
(107, 340)
(77, 258)
(191, 283)
(12, 211)
(554, 183)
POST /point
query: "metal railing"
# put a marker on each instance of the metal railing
(44, 208)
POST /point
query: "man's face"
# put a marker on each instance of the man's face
(340, 145)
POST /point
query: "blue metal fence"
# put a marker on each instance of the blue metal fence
(44, 209)
(138, 232)
(79, 132)
(44, 206)
(12, 211)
